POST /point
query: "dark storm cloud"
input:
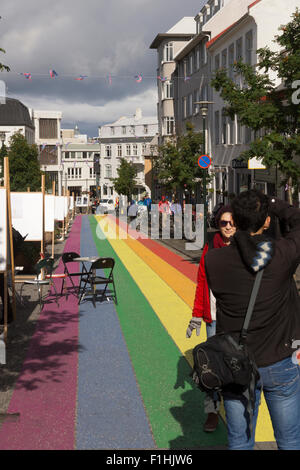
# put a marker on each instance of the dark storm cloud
(93, 38)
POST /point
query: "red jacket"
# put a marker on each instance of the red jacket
(202, 298)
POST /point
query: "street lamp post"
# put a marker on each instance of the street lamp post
(2, 138)
(204, 112)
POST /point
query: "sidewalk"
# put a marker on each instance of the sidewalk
(179, 247)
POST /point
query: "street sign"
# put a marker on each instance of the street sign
(204, 161)
(255, 164)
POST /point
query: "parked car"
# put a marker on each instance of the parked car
(106, 205)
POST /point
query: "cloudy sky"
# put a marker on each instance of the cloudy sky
(97, 38)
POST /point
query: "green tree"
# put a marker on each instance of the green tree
(176, 166)
(269, 110)
(24, 166)
(2, 66)
(125, 182)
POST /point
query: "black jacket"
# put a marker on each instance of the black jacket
(275, 323)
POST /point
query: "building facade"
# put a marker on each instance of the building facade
(15, 117)
(226, 30)
(49, 142)
(78, 156)
(129, 138)
(167, 45)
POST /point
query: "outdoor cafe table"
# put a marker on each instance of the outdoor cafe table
(86, 259)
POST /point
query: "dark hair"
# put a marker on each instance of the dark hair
(220, 212)
(250, 210)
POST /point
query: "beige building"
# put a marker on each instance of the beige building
(167, 45)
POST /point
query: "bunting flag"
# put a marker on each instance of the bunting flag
(43, 146)
(81, 77)
(27, 75)
(53, 74)
(139, 78)
(162, 79)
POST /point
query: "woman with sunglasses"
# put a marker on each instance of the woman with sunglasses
(205, 302)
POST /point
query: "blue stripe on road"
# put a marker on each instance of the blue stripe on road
(110, 411)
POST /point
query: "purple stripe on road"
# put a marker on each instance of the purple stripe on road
(45, 392)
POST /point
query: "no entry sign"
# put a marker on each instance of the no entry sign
(204, 161)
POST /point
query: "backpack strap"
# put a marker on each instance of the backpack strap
(252, 300)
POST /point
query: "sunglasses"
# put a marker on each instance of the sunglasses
(224, 223)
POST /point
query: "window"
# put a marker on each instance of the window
(123, 130)
(72, 154)
(144, 147)
(168, 51)
(224, 58)
(247, 135)
(108, 172)
(128, 149)
(92, 173)
(145, 129)
(84, 154)
(204, 93)
(248, 47)
(74, 173)
(191, 64)
(108, 151)
(112, 131)
(203, 53)
(66, 154)
(224, 128)
(196, 99)
(104, 190)
(231, 131)
(134, 150)
(132, 130)
(169, 125)
(190, 104)
(168, 92)
(197, 58)
(119, 150)
(48, 128)
(238, 132)
(217, 62)
(239, 49)
(217, 127)
(184, 110)
(231, 60)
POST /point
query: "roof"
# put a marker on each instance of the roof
(184, 29)
(14, 113)
(226, 30)
(131, 121)
(191, 44)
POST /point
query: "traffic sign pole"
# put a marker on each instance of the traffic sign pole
(204, 162)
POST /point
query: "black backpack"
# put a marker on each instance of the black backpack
(225, 364)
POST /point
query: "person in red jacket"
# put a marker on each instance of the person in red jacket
(205, 302)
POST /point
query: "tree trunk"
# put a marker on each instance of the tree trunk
(290, 196)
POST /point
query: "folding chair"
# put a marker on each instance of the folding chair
(92, 279)
(45, 265)
(69, 258)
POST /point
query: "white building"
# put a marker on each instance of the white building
(225, 31)
(78, 155)
(128, 138)
(167, 45)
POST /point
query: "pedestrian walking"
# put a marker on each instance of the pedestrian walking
(274, 330)
(164, 209)
(205, 302)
